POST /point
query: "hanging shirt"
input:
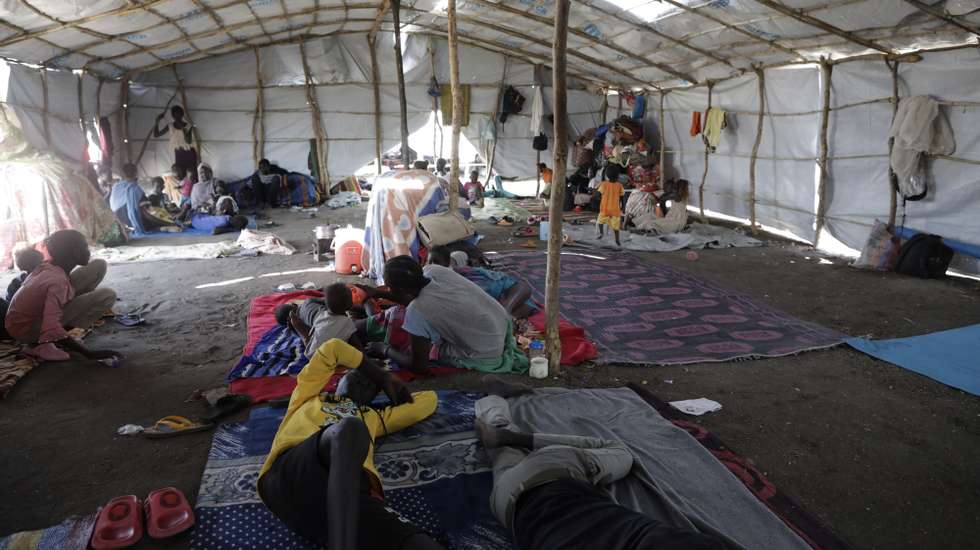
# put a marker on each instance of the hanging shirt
(40, 301)
(612, 192)
(125, 198)
(308, 412)
(714, 122)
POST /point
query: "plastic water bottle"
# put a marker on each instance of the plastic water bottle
(536, 349)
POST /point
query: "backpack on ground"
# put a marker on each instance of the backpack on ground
(924, 256)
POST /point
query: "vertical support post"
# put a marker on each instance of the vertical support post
(396, 8)
(457, 106)
(827, 71)
(321, 141)
(619, 103)
(435, 101)
(493, 120)
(892, 177)
(258, 124)
(707, 153)
(760, 76)
(605, 106)
(125, 114)
(560, 109)
(663, 140)
(81, 112)
(187, 112)
(44, 109)
(376, 86)
(537, 170)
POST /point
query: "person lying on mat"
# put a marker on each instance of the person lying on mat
(548, 488)
(449, 319)
(512, 293)
(317, 320)
(60, 295)
(319, 478)
(130, 205)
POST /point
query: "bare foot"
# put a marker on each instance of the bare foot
(498, 386)
(500, 437)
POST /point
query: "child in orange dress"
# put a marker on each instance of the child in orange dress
(610, 210)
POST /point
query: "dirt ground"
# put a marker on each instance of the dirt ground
(886, 457)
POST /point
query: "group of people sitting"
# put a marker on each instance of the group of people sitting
(320, 479)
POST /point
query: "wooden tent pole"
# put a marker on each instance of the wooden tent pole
(560, 110)
(319, 134)
(187, 113)
(760, 76)
(258, 124)
(376, 86)
(493, 120)
(537, 170)
(44, 108)
(457, 106)
(149, 133)
(892, 177)
(396, 8)
(663, 141)
(707, 152)
(826, 70)
(435, 100)
(81, 114)
(125, 115)
(605, 106)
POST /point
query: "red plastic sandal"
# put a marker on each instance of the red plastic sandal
(120, 524)
(167, 513)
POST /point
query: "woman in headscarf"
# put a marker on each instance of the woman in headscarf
(202, 194)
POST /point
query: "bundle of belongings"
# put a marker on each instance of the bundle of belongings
(919, 129)
(923, 255)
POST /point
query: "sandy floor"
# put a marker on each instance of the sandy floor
(886, 457)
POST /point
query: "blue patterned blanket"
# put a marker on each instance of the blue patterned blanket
(280, 352)
(434, 473)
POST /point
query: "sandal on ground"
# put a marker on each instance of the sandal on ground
(506, 221)
(225, 406)
(529, 244)
(170, 426)
(526, 232)
(167, 513)
(120, 524)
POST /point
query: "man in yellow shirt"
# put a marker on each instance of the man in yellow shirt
(319, 477)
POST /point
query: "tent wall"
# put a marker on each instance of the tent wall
(25, 99)
(221, 96)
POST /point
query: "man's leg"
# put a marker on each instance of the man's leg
(342, 449)
(85, 309)
(515, 297)
(86, 278)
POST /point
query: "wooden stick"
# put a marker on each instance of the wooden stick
(149, 134)
(493, 120)
(44, 109)
(375, 85)
(537, 170)
(822, 25)
(734, 28)
(98, 99)
(826, 70)
(435, 100)
(892, 177)
(258, 125)
(125, 115)
(663, 142)
(707, 153)
(560, 110)
(457, 107)
(760, 76)
(320, 137)
(187, 113)
(396, 8)
(939, 13)
(605, 106)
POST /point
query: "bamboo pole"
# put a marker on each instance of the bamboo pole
(396, 8)
(321, 140)
(493, 120)
(187, 113)
(44, 109)
(760, 76)
(892, 177)
(707, 153)
(125, 114)
(149, 133)
(435, 100)
(560, 110)
(98, 99)
(605, 106)
(376, 87)
(663, 141)
(826, 70)
(457, 107)
(258, 124)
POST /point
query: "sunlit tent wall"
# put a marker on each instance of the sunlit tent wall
(670, 49)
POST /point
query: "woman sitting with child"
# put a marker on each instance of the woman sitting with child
(675, 217)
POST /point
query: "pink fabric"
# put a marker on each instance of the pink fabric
(261, 313)
(41, 298)
(576, 348)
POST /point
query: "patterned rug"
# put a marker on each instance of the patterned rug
(642, 313)
(71, 534)
(434, 473)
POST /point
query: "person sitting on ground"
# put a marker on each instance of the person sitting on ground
(546, 177)
(172, 183)
(158, 193)
(319, 477)
(442, 167)
(548, 489)
(420, 165)
(128, 202)
(267, 183)
(27, 261)
(512, 293)
(60, 295)
(202, 195)
(317, 320)
(473, 190)
(447, 313)
(674, 218)
(610, 209)
(225, 205)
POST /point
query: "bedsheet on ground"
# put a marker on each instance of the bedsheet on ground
(949, 356)
(639, 312)
(188, 232)
(697, 236)
(71, 534)
(497, 207)
(682, 480)
(434, 473)
(156, 253)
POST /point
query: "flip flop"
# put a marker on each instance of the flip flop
(526, 232)
(506, 221)
(170, 426)
(120, 524)
(225, 406)
(167, 513)
(529, 244)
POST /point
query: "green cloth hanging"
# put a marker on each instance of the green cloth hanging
(446, 104)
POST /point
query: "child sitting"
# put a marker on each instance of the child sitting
(610, 210)
(27, 260)
(316, 320)
(473, 190)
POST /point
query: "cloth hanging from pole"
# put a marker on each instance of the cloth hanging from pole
(537, 111)
(919, 127)
(714, 122)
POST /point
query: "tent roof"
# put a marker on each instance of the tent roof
(631, 43)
